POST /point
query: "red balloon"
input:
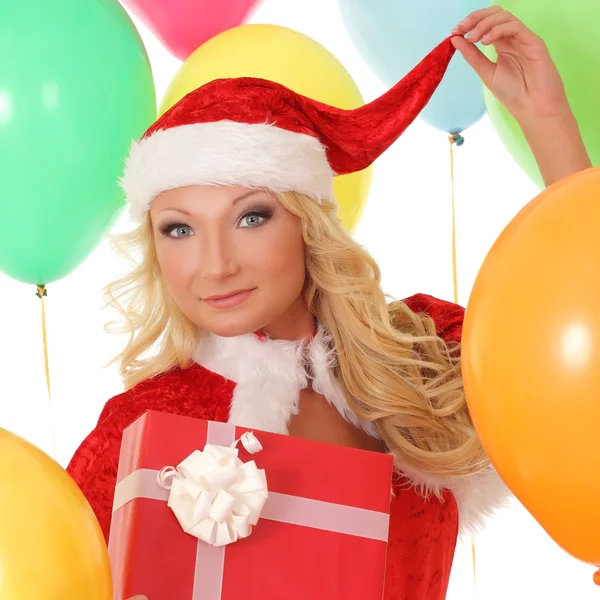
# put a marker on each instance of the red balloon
(184, 25)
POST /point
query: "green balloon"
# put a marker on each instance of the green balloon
(570, 30)
(75, 89)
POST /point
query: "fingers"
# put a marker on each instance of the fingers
(480, 63)
(469, 22)
(489, 25)
(485, 25)
(502, 30)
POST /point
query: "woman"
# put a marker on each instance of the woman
(251, 304)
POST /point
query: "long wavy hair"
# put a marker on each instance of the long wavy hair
(392, 367)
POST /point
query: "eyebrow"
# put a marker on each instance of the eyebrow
(238, 199)
(180, 210)
(246, 195)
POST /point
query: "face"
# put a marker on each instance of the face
(232, 258)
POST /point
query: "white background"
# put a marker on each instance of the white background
(406, 226)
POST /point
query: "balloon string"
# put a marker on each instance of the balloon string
(41, 294)
(474, 558)
(458, 140)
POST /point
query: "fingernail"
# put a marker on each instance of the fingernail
(455, 30)
(485, 39)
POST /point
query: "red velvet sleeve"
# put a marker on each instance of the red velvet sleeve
(94, 464)
(193, 392)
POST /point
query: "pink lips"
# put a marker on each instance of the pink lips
(228, 300)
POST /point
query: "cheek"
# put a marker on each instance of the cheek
(279, 259)
(178, 263)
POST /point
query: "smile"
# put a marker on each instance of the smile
(228, 300)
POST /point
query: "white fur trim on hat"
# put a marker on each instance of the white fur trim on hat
(225, 153)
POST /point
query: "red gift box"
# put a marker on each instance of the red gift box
(322, 533)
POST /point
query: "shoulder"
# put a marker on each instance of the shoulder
(447, 316)
(194, 392)
(477, 496)
(177, 389)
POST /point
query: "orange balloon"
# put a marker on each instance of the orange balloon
(531, 360)
(51, 546)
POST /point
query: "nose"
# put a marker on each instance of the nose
(217, 261)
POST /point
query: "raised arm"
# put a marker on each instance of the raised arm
(527, 83)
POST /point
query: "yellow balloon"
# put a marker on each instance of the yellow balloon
(291, 59)
(51, 546)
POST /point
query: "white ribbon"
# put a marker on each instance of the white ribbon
(215, 496)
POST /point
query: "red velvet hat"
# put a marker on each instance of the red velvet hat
(257, 133)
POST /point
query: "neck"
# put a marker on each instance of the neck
(298, 323)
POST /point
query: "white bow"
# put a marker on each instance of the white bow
(215, 496)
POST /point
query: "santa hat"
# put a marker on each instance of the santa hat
(259, 134)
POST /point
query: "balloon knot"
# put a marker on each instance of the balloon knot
(41, 291)
(457, 139)
(597, 577)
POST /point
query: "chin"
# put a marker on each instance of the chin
(232, 326)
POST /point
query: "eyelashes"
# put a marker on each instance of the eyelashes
(251, 219)
(260, 216)
(168, 228)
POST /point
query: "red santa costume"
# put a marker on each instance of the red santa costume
(256, 133)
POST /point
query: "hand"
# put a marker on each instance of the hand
(524, 79)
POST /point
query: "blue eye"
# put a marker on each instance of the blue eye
(177, 230)
(253, 219)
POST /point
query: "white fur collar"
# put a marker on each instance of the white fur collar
(269, 375)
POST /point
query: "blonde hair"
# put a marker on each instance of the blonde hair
(392, 367)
